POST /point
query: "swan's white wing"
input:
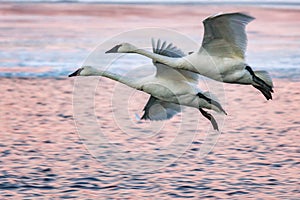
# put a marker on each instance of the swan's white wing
(156, 109)
(225, 35)
(167, 49)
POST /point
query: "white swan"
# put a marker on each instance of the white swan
(221, 56)
(168, 88)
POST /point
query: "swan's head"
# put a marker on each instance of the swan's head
(122, 48)
(84, 71)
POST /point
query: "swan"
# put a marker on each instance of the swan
(169, 88)
(221, 56)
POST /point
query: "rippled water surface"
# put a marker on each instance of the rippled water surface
(257, 155)
(45, 154)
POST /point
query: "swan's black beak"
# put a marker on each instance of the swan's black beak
(76, 73)
(114, 49)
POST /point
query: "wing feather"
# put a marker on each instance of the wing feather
(156, 109)
(225, 35)
(171, 51)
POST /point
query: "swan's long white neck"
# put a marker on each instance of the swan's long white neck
(122, 79)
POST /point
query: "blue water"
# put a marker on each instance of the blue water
(56, 49)
(60, 64)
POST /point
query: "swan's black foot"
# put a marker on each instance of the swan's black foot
(211, 101)
(262, 86)
(265, 92)
(210, 118)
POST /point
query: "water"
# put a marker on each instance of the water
(52, 40)
(257, 155)
(43, 153)
(270, 2)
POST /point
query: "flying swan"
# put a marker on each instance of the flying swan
(221, 56)
(169, 88)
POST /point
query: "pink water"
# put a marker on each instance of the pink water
(43, 157)
(257, 155)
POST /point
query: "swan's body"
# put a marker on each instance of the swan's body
(168, 88)
(221, 56)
